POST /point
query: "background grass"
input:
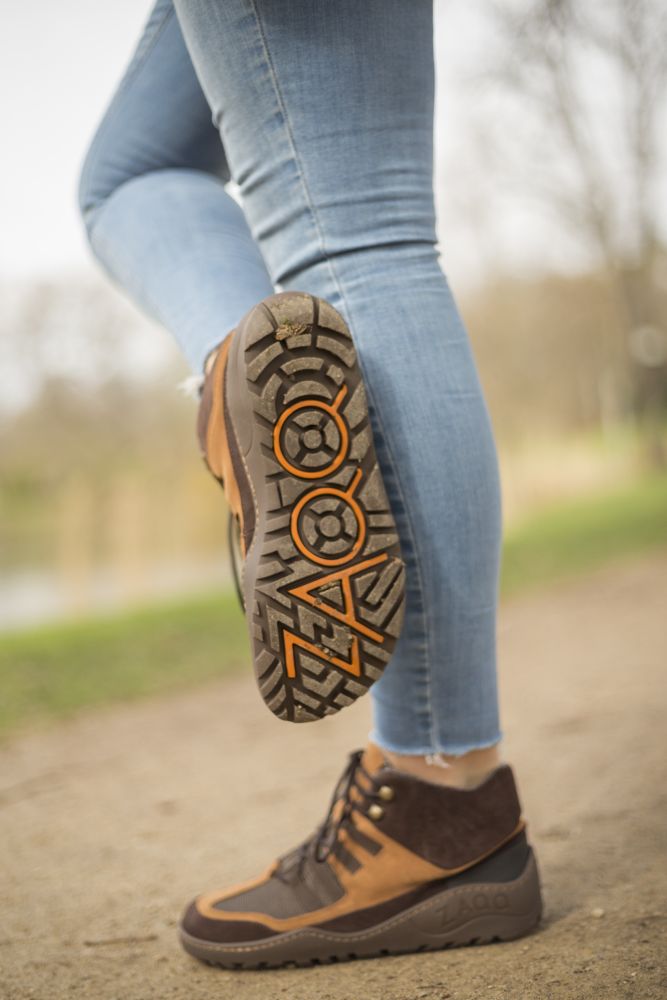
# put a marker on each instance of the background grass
(55, 670)
(580, 535)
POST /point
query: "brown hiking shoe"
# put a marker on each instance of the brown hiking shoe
(398, 865)
(284, 426)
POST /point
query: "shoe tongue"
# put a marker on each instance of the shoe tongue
(373, 758)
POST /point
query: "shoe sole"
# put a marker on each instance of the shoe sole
(324, 581)
(479, 913)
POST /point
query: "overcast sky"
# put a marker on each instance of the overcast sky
(60, 62)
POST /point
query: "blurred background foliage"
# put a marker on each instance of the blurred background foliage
(551, 187)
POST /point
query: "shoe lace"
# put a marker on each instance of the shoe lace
(320, 844)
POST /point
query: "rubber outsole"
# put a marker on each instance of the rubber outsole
(479, 913)
(323, 579)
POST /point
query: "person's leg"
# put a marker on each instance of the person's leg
(326, 119)
(327, 123)
(153, 200)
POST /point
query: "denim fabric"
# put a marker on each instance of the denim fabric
(325, 112)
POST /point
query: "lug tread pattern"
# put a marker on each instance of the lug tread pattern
(330, 581)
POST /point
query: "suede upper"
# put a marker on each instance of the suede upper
(389, 839)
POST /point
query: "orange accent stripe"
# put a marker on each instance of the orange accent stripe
(343, 576)
(292, 640)
(332, 410)
(356, 509)
(390, 873)
(342, 393)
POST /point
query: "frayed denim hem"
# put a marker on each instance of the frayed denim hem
(422, 749)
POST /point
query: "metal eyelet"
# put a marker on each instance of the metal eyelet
(375, 811)
(386, 792)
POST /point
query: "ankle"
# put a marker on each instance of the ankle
(463, 771)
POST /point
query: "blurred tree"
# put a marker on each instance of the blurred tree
(588, 82)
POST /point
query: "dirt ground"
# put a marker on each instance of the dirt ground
(109, 823)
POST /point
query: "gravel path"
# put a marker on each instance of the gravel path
(109, 823)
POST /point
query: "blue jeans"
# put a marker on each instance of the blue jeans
(325, 112)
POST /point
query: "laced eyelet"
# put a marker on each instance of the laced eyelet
(386, 792)
(375, 811)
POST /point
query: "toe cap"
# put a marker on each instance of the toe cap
(226, 929)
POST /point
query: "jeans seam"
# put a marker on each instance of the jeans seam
(288, 128)
(426, 646)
